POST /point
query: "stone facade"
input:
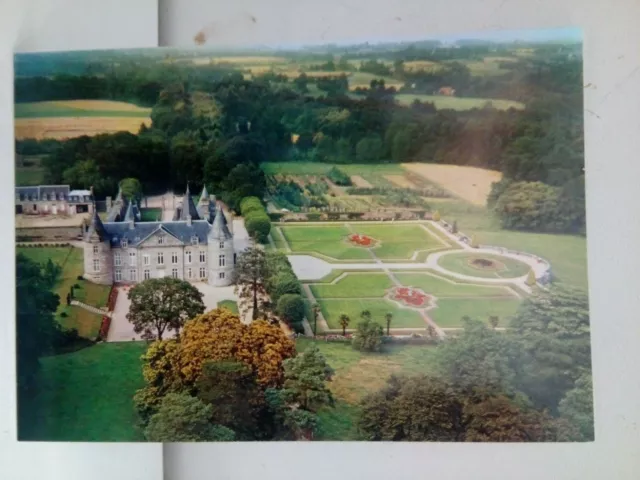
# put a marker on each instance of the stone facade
(196, 249)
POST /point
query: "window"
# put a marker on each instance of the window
(234, 258)
(188, 255)
(174, 273)
(221, 275)
(189, 273)
(203, 256)
(132, 259)
(117, 260)
(194, 240)
(95, 249)
(146, 260)
(96, 264)
(221, 244)
(174, 258)
(160, 258)
(203, 272)
(133, 275)
(160, 239)
(124, 243)
(221, 261)
(118, 275)
(147, 274)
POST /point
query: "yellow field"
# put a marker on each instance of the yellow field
(69, 127)
(102, 105)
(469, 183)
(400, 181)
(425, 65)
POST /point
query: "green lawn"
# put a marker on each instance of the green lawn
(71, 260)
(442, 102)
(435, 285)
(327, 240)
(402, 318)
(229, 304)
(278, 239)
(397, 241)
(87, 395)
(504, 267)
(150, 214)
(354, 285)
(449, 312)
(64, 109)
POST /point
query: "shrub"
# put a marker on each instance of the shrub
(282, 284)
(338, 177)
(368, 336)
(76, 285)
(291, 308)
(436, 216)
(80, 277)
(313, 216)
(258, 226)
(104, 328)
(64, 314)
(250, 204)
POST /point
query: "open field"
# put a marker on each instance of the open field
(355, 285)
(71, 261)
(363, 80)
(69, 127)
(79, 108)
(443, 102)
(501, 267)
(87, 395)
(329, 240)
(470, 183)
(450, 311)
(425, 65)
(374, 174)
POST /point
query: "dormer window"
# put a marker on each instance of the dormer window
(124, 243)
(137, 238)
(161, 240)
(194, 240)
(221, 244)
(115, 239)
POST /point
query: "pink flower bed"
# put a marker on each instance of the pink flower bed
(411, 296)
(361, 240)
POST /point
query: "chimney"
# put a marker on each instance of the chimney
(109, 203)
(189, 220)
(132, 224)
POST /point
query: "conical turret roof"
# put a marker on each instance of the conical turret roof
(95, 225)
(219, 229)
(129, 216)
(188, 208)
(204, 196)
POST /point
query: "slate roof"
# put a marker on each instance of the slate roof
(188, 208)
(219, 228)
(43, 192)
(97, 226)
(141, 231)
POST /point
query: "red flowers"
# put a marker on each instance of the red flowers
(113, 296)
(410, 296)
(361, 240)
(104, 328)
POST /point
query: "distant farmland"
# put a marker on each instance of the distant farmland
(458, 103)
(74, 118)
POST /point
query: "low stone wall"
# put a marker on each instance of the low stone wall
(43, 234)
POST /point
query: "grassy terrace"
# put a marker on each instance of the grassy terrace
(71, 261)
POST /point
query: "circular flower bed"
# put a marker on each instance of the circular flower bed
(362, 240)
(413, 297)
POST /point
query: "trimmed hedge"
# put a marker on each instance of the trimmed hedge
(256, 220)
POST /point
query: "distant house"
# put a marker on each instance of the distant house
(447, 91)
(52, 200)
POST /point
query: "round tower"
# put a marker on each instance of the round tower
(98, 260)
(220, 252)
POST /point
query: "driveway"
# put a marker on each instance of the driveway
(122, 331)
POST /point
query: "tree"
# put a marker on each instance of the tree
(291, 308)
(131, 189)
(436, 216)
(291, 423)
(454, 227)
(161, 304)
(36, 329)
(182, 418)
(250, 276)
(305, 380)
(368, 336)
(553, 329)
(281, 284)
(258, 225)
(229, 387)
(315, 308)
(344, 323)
(493, 321)
(577, 406)
(388, 317)
(365, 315)
(369, 150)
(420, 408)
